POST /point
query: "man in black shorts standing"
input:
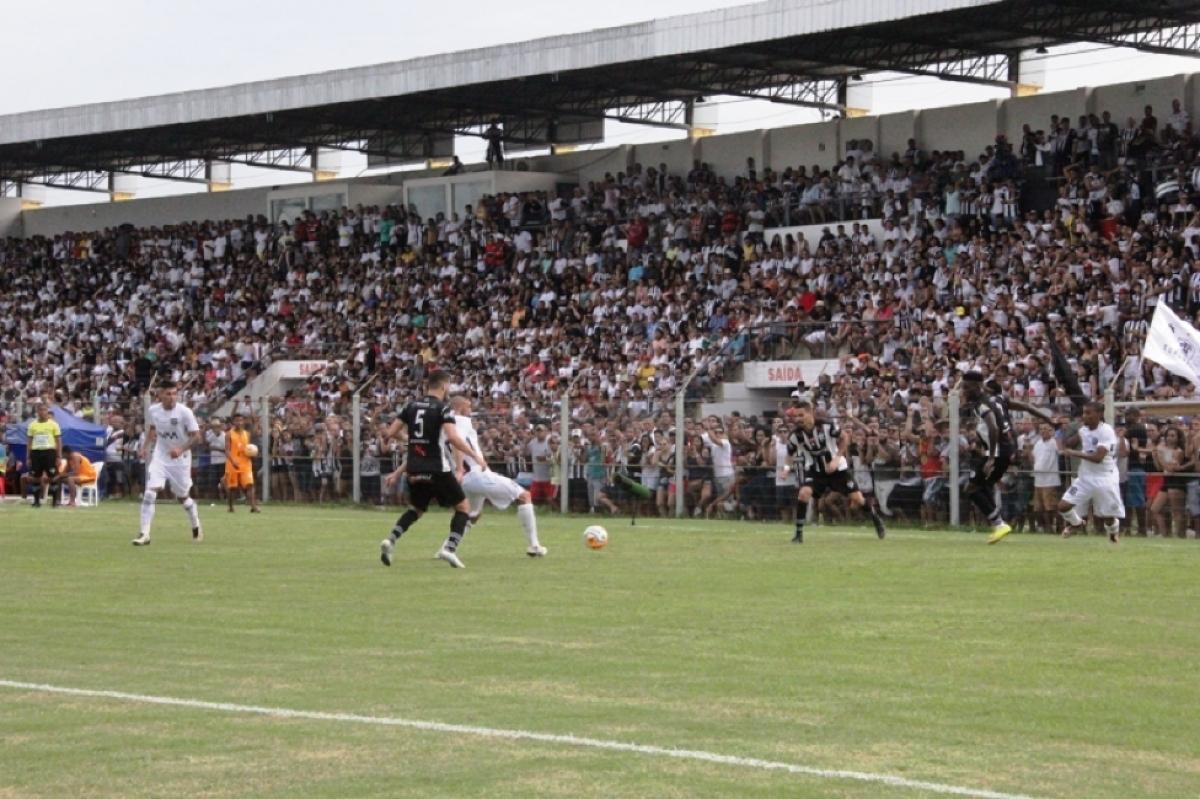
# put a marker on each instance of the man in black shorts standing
(430, 469)
(45, 451)
(825, 468)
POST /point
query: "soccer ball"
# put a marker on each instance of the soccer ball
(251, 451)
(595, 537)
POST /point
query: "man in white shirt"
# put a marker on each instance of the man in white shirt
(1046, 479)
(479, 485)
(1097, 487)
(172, 430)
(721, 452)
(114, 464)
(542, 454)
(215, 438)
(1178, 118)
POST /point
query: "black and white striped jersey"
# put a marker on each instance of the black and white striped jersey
(997, 409)
(818, 447)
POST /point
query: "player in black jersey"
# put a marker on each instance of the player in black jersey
(995, 446)
(430, 471)
(825, 468)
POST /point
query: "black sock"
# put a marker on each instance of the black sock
(403, 523)
(458, 528)
(801, 517)
(873, 512)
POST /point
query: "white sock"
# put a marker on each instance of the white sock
(1112, 526)
(148, 500)
(529, 522)
(193, 513)
(1072, 518)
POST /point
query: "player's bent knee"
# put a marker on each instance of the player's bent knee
(524, 498)
(149, 497)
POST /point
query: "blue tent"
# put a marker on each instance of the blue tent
(78, 434)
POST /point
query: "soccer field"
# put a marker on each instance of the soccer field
(928, 664)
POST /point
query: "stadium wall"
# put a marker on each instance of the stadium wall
(894, 132)
(677, 155)
(1131, 97)
(969, 128)
(10, 217)
(803, 145)
(146, 212)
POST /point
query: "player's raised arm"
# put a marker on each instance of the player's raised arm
(1024, 407)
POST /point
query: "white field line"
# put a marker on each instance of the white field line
(523, 735)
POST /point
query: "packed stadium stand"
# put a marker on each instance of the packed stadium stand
(906, 264)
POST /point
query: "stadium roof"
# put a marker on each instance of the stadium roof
(558, 89)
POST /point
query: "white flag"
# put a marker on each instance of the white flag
(1173, 344)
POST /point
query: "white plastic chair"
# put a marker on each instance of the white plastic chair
(89, 493)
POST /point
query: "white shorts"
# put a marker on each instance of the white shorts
(1102, 495)
(176, 472)
(495, 488)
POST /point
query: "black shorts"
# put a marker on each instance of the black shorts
(425, 487)
(840, 482)
(1000, 465)
(43, 461)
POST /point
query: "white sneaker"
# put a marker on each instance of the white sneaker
(537, 552)
(142, 540)
(386, 548)
(450, 557)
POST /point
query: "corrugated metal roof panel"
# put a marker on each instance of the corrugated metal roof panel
(672, 36)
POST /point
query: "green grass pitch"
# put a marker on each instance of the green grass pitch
(1039, 667)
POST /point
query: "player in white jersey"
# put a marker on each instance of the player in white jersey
(172, 431)
(501, 491)
(1097, 486)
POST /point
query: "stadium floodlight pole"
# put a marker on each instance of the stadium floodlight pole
(955, 437)
(564, 446)
(680, 443)
(264, 447)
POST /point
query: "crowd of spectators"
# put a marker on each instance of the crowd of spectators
(621, 289)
